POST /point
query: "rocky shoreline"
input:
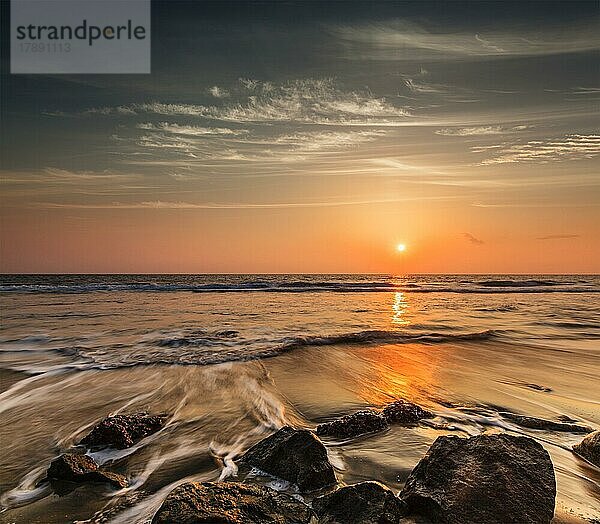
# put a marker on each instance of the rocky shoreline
(488, 478)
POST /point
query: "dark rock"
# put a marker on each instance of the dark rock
(71, 467)
(496, 479)
(230, 503)
(589, 448)
(364, 503)
(404, 412)
(123, 431)
(538, 387)
(295, 455)
(546, 425)
(348, 426)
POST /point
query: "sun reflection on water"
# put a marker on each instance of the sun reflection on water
(400, 309)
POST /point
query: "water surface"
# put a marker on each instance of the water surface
(232, 358)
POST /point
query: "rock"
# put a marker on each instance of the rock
(71, 467)
(496, 479)
(123, 431)
(547, 425)
(538, 387)
(295, 455)
(589, 448)
(230, 503)
(363, 503)
(404, 412)
(348, 426)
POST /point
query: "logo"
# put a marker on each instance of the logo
(80, 36)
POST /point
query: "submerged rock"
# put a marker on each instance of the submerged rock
(295, 455)
(71, 467)
(348, 426)
(404, 412)
(123, 431)
(363, 503)
(589, 448)
(547, 425)
(230, 503)
(496, 479)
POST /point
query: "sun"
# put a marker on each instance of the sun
(401, 248)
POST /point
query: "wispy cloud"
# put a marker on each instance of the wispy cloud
(569, 147)
(159, 204)
(196, 143)
(402, 40)
(473, 239)
(218, 92)
(52, 175)
(557, 237)
(306, 101)
(480, 130)
(191, 130)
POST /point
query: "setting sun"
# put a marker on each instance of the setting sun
(401, 247)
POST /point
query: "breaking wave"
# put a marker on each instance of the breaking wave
(282, 285)
(202, 351)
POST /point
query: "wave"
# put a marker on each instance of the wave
(481, 287)
(187, 351)
(521, 283)
(198, 338)
(381, 336)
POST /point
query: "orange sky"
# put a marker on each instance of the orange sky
(315, 144)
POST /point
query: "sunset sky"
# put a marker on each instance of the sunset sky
(316, 138)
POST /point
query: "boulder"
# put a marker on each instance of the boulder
(123, 431)
(295, 455)
(348, 426)
(496, 479)
(363, 503)
(404, 412)
(589, 448)
(230, 503)
(71, 467)
(544, 424)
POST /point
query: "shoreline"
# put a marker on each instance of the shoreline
(218, 409)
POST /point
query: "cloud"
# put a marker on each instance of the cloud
(569, 147)
(218, 92)
(310, 141)
(306, 101)
(557, 237)
(402, 40)
(480, 130)
(159, 204)
(191, 130)
(222, 144)
(55, 176)
(473, 239)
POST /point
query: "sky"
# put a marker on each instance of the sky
(315, 137)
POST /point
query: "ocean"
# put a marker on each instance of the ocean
(233, 357)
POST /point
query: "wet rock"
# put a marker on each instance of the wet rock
(123, 431)
(496, 479)
(363, 503)
(547, 425)
(348, 426)
(295, 455)
(404, 412)
(230, 503)
(589, 448)
(71, 467)
(538, 387)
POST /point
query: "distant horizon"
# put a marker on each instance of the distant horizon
(305, 274)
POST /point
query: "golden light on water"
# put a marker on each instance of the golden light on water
(400, 309)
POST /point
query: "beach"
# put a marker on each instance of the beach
(231, 359)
